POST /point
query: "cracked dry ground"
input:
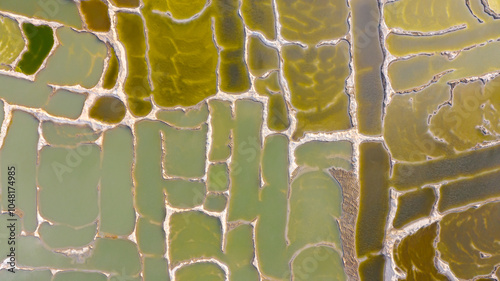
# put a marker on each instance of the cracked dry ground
(250, 140)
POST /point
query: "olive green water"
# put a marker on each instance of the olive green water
(216, 140)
